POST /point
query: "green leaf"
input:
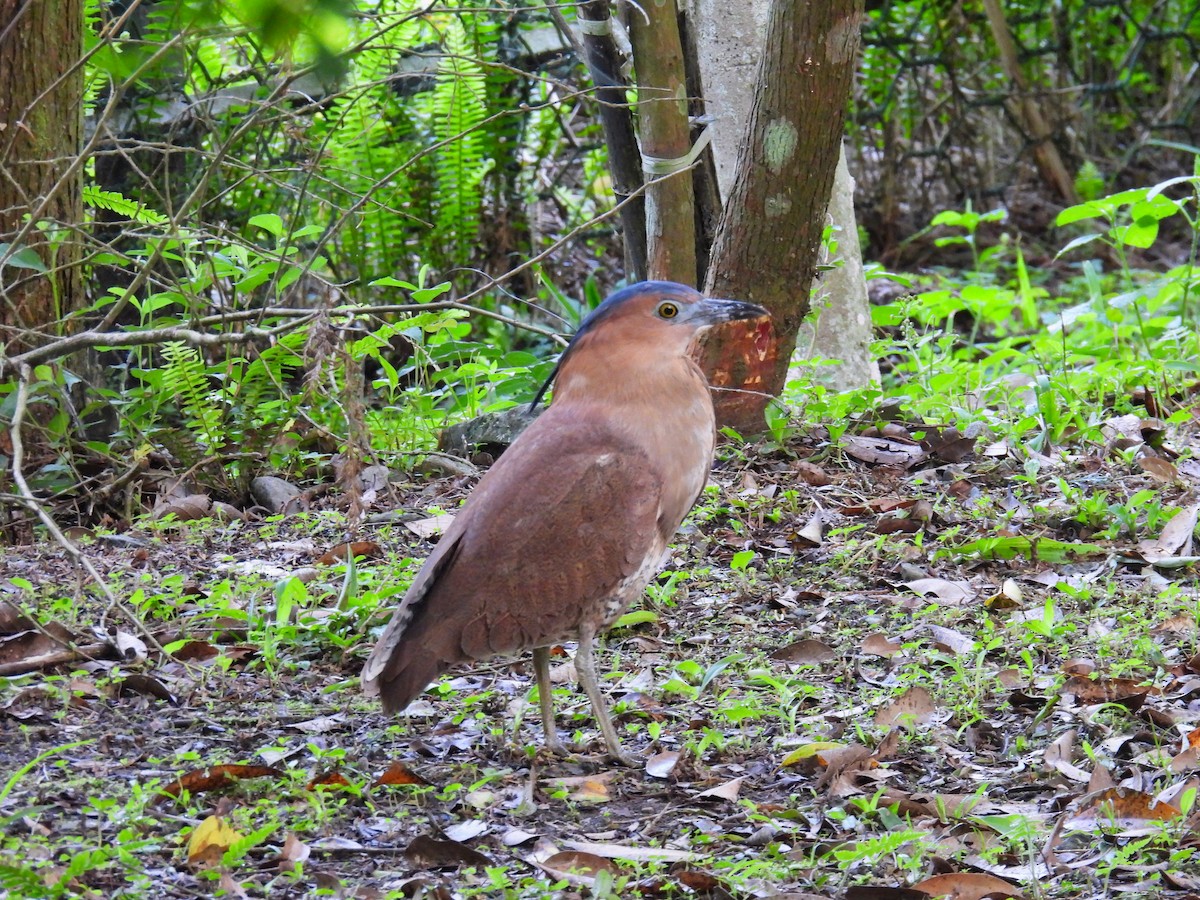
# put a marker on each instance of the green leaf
(23, 258)
(1044, 549)
(271, 222)
(1077, 242)
(637, 617)
(741, 559)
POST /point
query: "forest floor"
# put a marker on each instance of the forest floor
(895, 666)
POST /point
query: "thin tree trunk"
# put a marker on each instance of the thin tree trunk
(41, 110)
(604, 63)
(767, 242)
(663, 125)
(1026, 110)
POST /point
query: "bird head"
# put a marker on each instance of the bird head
(650, 320)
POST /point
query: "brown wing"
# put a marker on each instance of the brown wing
(567, 515)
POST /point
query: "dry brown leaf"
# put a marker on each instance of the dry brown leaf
(293, 852)
(1129, 810)
(425, 852)
(331, 779)
(578, 867)
(399, 774)
(1159, 469)
(337, 555)
(184, 509)
(913, 707)
(805, 653)
(883, 452)
(967, 886)
(215, 777)
(880, 645)
(811, 473)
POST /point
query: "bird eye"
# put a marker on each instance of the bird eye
(668, 310)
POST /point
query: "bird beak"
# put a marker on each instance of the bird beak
(710, 311)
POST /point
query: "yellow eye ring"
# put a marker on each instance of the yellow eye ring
(668, 310)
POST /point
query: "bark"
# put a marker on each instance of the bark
(604, 63)
(663, 125)
(41, 85)
(767, 242)
(840, 324)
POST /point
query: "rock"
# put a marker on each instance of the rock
(274, 494)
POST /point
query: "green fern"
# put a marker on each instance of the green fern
(458, 107)
(185, 378)
(122, 206)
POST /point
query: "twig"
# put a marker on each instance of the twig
(70, 653)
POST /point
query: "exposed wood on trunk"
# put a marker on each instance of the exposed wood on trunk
(663, 125)
(767, 243)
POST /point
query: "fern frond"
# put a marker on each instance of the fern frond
(185, 377)
(122, 206)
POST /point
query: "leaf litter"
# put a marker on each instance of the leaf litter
(925, 676)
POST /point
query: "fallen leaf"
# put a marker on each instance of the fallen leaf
(951, 592)
(336, 555)
(1128, 810)
(321, 724)
(805, 653)
(634, 854)
(293, 852)
(397, 774)
(430, 527)
(913, 707)
(880, 645)
(424, 852)
(214, 777)
(209, 841)
(466, 830)
(330, 779)
(967, 886)
(578, 867)
(727, 791)
(660, 765)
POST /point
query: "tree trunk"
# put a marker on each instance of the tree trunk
(624, 159)
(840, 326)
(767, 242)
(41, 107)
(666, 140)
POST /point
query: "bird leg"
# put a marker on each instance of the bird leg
(586, 668)
(541, 668)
